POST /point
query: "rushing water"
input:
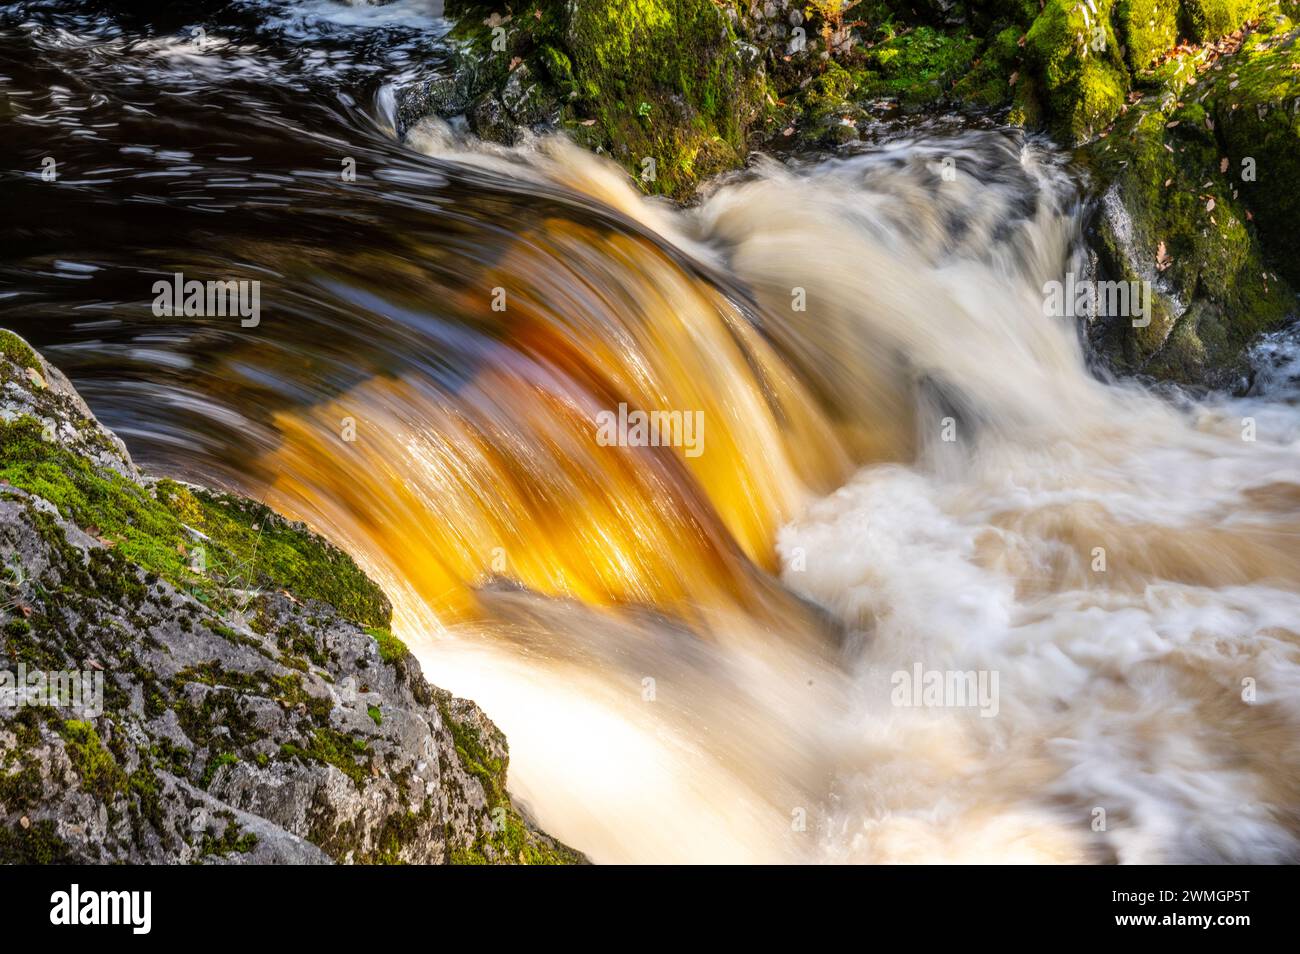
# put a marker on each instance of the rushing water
(693, 656)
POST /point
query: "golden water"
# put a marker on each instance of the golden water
(615, 609)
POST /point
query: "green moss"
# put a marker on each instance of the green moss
(476, 757)
(1147, 28)
(375, 714)
(100, 774)
(1211, 19)
(391, 649)
(144, 531)
(399, 830)
(231, 840)
(919, 66)
(989, 82)
(826, 92)
(1260, 125)
(215, 764)
(1077, 61)
(16, 350)
(144, 785)
(21, 789)
(1167, 173)
(36, 845)
(558, 67)
(511, 842)
(249, 543)
(1026, 104)
(678, 57)
(334, 748)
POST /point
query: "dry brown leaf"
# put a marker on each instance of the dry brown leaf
(1163, 260)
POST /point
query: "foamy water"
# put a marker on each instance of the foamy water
(1127, 569)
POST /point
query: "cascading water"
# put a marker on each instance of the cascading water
(695, 658)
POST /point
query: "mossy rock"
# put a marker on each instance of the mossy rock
(1173, 221)
(1026, 104)
(1075, 54)
(1211, 19)
(667, 86)
(989, 82)
(160, 528)
(1147, 28)
(1258, 116)
(18, 351)
(918, 67)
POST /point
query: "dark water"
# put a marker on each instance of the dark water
(221, 156)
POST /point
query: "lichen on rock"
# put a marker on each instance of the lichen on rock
(237, 721)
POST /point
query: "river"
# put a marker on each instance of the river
(716, 649)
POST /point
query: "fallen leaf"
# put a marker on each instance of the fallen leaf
(1163, 260)
(1209, 206)
(1223, 164)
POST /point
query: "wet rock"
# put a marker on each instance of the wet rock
(1173, 215)
(491, 121)
(527, 101)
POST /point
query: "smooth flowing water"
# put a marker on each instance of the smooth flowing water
(696, 652)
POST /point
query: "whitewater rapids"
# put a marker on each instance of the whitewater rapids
(1148, 709)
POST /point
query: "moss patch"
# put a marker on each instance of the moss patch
(1077, 60)
(18, 351)
(1210, 19)
(391, 649)
(100, 774)
(1260, 124)
(37, 845)
(246, 544)
(919, 66)
(663, 81)
(334, 748)
(1148, 28)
